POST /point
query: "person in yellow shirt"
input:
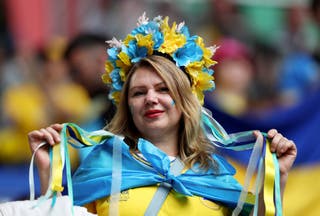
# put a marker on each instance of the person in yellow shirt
(165, 140)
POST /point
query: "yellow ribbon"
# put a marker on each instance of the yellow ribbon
(57, 167)
(269, 182)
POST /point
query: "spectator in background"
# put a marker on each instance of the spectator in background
(67, 100)
(315, 13)
(41, 95)
(298, 76)
(233, 75)
(21, 105)
(85, 55)
(298, 71)
(229, 20)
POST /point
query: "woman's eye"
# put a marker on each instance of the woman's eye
(137, 93)
(164, 89)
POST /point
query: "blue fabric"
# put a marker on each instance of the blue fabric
(92, 180)
(299, 73)
(300, 123)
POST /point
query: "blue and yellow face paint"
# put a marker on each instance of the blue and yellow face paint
(173, 103)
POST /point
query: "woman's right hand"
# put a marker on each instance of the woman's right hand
(50, 135)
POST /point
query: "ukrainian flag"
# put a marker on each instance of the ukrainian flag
(300, 123)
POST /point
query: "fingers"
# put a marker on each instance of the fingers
(57, 127)
(280, 144)
(272, 133)
(50, 135)
(256, 133)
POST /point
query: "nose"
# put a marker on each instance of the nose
(151, 97)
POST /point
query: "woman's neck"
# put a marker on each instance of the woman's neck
(168, 143)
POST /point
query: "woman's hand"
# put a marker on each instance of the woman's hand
(285, 150)
(50, 135)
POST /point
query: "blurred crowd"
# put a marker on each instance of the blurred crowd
(269, 56)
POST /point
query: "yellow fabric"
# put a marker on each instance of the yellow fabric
(302, 192)
(135, 202)
(269, 182)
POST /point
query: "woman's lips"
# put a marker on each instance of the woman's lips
(153, 113)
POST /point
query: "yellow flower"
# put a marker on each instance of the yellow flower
(207, 53)
(124, 64)
(123, 74)
(194, 68)
(106, 78)
(172, 40)
(145, 41)
(116, 96)
(202, 81)
(108, 67)
(128, 39)
(164, 25)
(125, 59)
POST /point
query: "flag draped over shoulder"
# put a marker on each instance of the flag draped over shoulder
(300, 123)
(92, 180)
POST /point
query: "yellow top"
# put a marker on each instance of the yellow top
(135, 201)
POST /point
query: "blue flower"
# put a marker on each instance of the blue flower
(208, 70)
(146, 28)
(135, 52)
(184, 30)
(116, 79)
(190, 52)
(112, 53)
(157, 37)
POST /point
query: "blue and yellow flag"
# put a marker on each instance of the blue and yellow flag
(300, 123)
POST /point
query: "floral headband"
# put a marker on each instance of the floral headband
(156, 36)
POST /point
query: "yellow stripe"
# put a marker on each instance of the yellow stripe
(56, 169)
(269, 182)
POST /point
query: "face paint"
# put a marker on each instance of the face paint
(173, 103)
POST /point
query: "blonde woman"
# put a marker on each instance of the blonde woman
(164, 144)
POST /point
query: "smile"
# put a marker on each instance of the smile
(153, 113)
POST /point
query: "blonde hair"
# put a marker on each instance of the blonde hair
(193, 146)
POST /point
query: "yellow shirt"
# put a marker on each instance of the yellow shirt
(135, 202)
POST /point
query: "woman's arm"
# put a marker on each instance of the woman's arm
(51, 135)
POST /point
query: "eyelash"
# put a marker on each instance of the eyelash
(160, 89)
(164, 89)
(137, 93)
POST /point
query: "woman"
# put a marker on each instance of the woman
(160, 117)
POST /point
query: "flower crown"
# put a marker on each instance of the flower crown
(156, 36)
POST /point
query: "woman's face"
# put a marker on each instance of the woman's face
(153, 110)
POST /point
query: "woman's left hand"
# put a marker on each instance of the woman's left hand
(285, 150)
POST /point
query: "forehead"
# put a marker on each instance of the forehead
(145, 75)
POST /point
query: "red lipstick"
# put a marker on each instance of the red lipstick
(153, 113)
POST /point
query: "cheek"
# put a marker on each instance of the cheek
(171, 107)
(167, 101)
(135, 108)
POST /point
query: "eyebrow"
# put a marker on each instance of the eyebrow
(143, 86)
